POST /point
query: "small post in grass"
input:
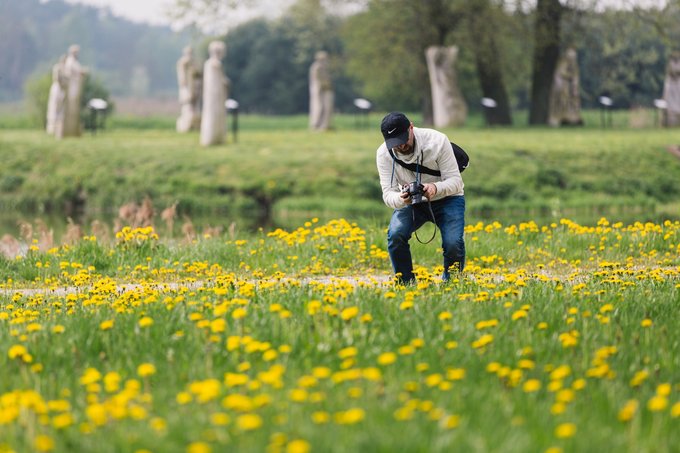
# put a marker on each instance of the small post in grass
(232, 110)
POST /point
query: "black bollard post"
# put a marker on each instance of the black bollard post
(232, 109)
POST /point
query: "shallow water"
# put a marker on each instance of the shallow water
(58, 226)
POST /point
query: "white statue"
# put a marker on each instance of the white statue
(565, 95)
(189, 81)
(215, 91)
(671, 90)
(75, 77)
(321, 95)
(55, 103)
(448, 105)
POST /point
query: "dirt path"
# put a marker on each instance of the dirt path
(193, 285)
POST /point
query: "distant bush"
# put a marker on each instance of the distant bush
(37, 92)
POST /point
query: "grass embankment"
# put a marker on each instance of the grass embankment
(277, 166)
(557, 337)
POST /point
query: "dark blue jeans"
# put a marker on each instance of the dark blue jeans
(449, 216)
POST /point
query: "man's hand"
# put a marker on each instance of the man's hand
(430, 190)
(406, 197)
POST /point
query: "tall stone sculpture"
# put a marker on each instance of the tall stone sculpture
(55, 103)
(215, 91)
(321, 94)
(671, 90)
(190, 83)
(75, 76)
(448, 105)
(565, 96)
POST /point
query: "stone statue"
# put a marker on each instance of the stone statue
(55, 103)
(671, 90)
(448, 105)
(321, 95)
(215, 93)
(189, 81)
(75, 77)
(565, 97)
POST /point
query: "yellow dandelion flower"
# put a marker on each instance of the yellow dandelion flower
(445, 315)
(449, 421)
(298, 446)
(248, 422)
(239, 313)
(387, 358)
(17, 350)
(62, 421)
(146, 369)
(628, 410)
(646, 322)
(349, 313)
(347, 353)
(565, 430)
(675, 410)
(220, 419)
(198, 447)
(183, 398)
(145, 322)
(320, 417)
(657, 403)
(455, 374)
(663, 389)
(90, 376)
(44, 443)
(407, 304)
(350, 416)
(483, 341)
(403, 414)
(531, 385)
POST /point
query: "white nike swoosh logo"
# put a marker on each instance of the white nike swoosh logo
(389, 132)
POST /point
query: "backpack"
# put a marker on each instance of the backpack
(462, 159)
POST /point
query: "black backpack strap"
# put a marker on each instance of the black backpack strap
(415, 167)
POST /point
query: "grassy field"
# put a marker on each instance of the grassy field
(558, 337)
(277, 169)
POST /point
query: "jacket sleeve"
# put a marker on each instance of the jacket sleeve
(451, 181)
(391, 190)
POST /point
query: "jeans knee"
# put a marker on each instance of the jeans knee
(397, 236)
(455, 249)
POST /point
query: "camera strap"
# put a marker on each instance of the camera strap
(419, 167)
(414, 167)
(434, 232)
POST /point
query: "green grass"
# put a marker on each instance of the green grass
(277, 168)
(260, 340)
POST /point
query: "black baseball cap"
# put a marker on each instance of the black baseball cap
(394, 128)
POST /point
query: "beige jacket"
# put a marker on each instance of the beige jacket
(433, 150)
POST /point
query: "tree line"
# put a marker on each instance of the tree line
(128, 58)
(507, 53)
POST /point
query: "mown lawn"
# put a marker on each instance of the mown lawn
(277, 169)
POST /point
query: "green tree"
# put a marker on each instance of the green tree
(386, 45)
(623, 58)
(483, 25)
(268, 61)
(546, 54)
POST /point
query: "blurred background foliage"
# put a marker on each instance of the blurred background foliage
(377, 52)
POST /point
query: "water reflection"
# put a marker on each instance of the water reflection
(22, 225)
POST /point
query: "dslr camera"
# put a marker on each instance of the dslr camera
(416, 191)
